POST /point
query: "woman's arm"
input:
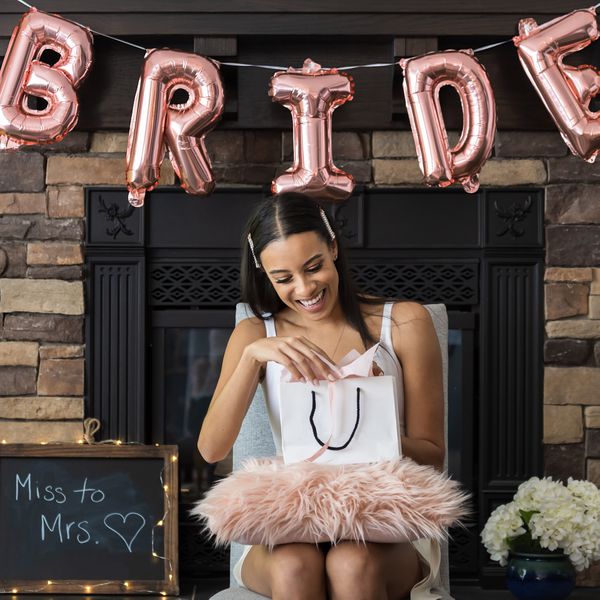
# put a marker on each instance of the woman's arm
(418, 349)
(234, 391)
(247, 352)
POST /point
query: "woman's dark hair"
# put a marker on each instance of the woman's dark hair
(277, 218)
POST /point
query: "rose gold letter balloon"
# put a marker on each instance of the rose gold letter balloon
(23, 74)
(565, 90)
(423, 78)
(157, 125)
(312, 94)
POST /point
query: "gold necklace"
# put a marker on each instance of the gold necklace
(338, 342)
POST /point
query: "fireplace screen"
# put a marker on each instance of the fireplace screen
(162, 284)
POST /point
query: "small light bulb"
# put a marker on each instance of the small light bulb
(80, 441)
(49, 582)
(157, 445)
(170, 576)
(44, 443)
(15, 591)
(166, 488)
(126, 583)
(119, 442)
(88, 588)
(4, 441)
(154, 554)
(160, 523)
(173, 458)
(163, 593)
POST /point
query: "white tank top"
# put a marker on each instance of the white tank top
(385, 357)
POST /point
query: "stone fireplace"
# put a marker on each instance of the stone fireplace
(42, 290)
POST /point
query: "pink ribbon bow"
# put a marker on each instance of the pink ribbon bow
(352, 365)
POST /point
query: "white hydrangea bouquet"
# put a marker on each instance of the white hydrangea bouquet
(547, 516)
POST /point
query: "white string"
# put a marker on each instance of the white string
(96, 32)
(482, 48)
(278, 67)
(112, 38)
(270, 67)
(370, 66)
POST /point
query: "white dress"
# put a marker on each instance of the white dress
(429, 551)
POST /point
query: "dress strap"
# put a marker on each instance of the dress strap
(270, 327)
(386, 325)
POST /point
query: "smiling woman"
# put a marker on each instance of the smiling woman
(296, 280)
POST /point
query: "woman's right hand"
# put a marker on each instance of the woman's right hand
(303, 359)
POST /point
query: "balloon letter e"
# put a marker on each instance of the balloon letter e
(565, 90)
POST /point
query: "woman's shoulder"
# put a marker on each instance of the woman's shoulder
(249, 330)
(406, 312)
(403, 311)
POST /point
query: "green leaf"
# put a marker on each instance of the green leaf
(525, 543)
(526, 515)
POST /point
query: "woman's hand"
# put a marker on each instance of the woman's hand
(303, 359)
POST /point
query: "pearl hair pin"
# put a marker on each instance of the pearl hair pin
(325, 222)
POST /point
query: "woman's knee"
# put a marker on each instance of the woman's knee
(297, 564)
(355, 566)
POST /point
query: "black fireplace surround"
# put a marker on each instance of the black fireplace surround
(175, 264)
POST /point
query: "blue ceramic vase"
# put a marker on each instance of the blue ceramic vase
(540, 576)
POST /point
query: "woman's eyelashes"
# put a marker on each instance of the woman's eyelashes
(313, 269)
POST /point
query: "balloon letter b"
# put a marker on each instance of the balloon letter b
(157, 124)
(312, 94)
(23, 74)
(565, 90)
(423, 78)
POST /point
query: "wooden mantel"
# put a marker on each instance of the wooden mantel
(285, 32)
(297, 17)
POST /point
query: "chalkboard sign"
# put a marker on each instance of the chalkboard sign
(93, 519)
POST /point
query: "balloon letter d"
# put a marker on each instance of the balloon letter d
(423, 78)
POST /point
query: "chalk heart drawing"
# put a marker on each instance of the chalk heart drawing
(125, 531)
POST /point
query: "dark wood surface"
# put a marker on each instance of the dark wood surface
(331, 33)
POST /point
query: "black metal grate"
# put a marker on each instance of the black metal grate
(194, 284)
(428, 282)
(209, 284)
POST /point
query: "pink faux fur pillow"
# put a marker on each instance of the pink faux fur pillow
(267, 502)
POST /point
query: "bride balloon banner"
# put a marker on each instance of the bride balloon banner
(311, 94)
(565, 90)
(23, 74)
(158, 125)
(423, 78)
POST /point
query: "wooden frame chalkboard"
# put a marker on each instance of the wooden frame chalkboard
(90, 519)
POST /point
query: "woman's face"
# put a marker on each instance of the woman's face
(302, 270)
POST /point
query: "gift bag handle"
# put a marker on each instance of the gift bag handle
(314, 427)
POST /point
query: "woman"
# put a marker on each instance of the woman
(294, 274)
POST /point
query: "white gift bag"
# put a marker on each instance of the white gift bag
(352, 420)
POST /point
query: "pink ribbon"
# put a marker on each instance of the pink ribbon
(352, 365)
